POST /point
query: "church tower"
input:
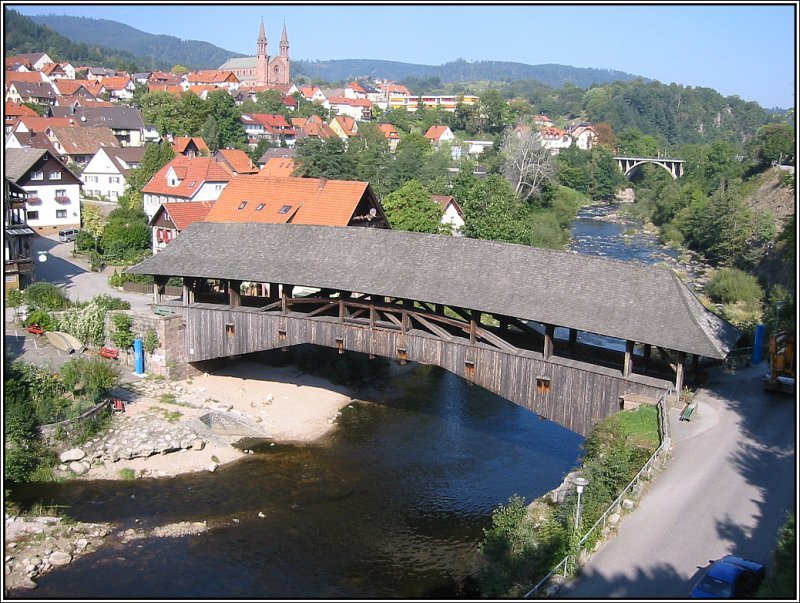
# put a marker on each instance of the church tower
(284, 42)
(262, 61)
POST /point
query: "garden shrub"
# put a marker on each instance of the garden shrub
(46, 296)
(41, 318)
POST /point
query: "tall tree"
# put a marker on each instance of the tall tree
(228, 119)
(527, 164)
(412, 208)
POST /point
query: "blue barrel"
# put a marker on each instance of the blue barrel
(758, 343)
(138, 356)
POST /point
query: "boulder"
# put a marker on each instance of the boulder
(75, 454)
(60, 558)
(78, 467)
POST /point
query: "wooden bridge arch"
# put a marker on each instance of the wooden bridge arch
(378, 292)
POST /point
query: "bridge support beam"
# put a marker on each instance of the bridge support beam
(234, 293)
(549, 335)
(627, 369)
(159, 283)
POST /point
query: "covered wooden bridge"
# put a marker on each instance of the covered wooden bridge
(564, 335)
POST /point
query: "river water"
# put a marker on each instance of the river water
(391, 504)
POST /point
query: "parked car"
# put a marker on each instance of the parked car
(730, 577)
(67, 235)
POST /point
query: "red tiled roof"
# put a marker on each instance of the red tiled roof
(192, 172)
(40, 124)
(444, 200)
(115, 83)
(180, 143)
(314, 126)
(238, 161)
(32, 77)
(283, 200)
(347, 123)
(186, 213)
(352, 102)
(212, 75)
(13, 109)
(68, 87)
(278, 166)
(435, 132)
(389, 131)
(169, 89)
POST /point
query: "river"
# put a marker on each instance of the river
(391, 504)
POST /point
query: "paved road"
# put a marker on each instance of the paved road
(727, 488)
(80, 283)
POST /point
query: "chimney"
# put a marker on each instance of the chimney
(322, 182)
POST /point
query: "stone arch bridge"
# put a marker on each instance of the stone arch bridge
(519, 321)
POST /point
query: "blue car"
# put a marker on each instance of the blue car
(729, 578)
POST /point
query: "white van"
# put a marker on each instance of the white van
(67, 234)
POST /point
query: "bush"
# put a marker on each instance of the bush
(15, 298)
(782, 583)
(122, 335)
(92, 377)
(107, 302)
(41, 318)
(46, 296)
(730, 285)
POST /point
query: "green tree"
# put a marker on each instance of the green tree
(228, 119)
(412, 208)
(492, 211)
(369, 151)
(494, 112)
(317, 158)
(193, 111)
(775, 143)
(411, 154)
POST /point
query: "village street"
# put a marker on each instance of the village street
(727, 488)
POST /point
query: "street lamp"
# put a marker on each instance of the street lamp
(580, 484)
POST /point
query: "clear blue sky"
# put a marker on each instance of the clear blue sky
(742, 49)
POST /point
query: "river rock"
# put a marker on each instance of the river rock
(59, 558)
(75, 454)
(198, 444)
(627, 504)
(28, 584)
(212, 467)
(78, 467)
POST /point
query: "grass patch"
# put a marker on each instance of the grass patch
(127, 474)
(167, 399)
(214, 458)
(641, 425)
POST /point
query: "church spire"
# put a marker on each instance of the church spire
(261, 42)
(284, 42)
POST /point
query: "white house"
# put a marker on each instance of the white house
(185, 179)
(53, 190)
(452, 215)
(105, 176)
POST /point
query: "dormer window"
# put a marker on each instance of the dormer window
(260, 207)
(284, 209)
(243, 204)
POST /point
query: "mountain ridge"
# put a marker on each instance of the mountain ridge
(196, 54)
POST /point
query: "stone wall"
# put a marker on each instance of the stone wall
(70, 427)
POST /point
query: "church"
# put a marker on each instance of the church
(262, 69)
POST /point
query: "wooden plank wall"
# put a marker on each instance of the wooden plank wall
(576, 398)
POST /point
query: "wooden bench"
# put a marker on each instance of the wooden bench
(117, 405)
(164, 311)
(35, 329)
(688, 411)
(111, 353)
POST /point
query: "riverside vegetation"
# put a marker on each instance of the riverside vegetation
(525, 542)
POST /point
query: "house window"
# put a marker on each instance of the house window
(285, 209)
(543, 384)
(37, 175)
(61, 192)
(230, 330)
(33, 215)
(260, 207)
(55, 175)
(113, 179)
(61, 214)
(243, 204)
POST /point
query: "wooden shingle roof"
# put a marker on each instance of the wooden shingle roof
(618, 299)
